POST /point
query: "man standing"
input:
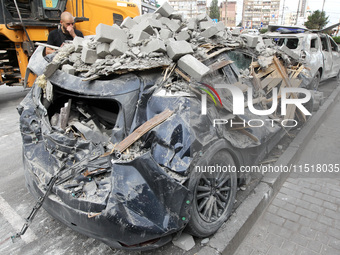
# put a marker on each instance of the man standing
(65, 32)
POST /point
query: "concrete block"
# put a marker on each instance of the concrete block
(74, 57)
(203, 25)
(289, 52)
(222, 34)
(268, 42)
(155, 45)
(193, 67)
(144, 26)
(177, 15)
(165, 33)
(165, 10)
(185, 242)
(103, 50)
(106, 33)
(220, 26)
(138, 36)
(168, 41)
(88, 56)
(137, 19)
(192, 24)
(155, 23)
(251, 40)
(128, 23)
(177, 21)
(172, 25)
(210, 32)
(183, 36)
(51, 68)
(118, 47)
(177, 49)
(236, 31)
(78, 43)
(68, 69)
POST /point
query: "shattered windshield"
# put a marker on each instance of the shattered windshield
(291, 43)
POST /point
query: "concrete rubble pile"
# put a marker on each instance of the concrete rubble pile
(165, 40)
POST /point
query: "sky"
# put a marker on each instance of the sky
(332, 8)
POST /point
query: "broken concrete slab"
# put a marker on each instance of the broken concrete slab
(51, 68)
(88, 56)
(203, 17)
(138, 36)
(192, 24)
(137, 19)
(68, 69)
(74, 57)
(143, 26)
(103, 50)
(155, 45)
(203, 25)
(118, 47)
(165, 10)
(251, 40)
(165, 33)
(106, 33)
(172, 25)
(289, 52)
(268, 42)
(183, 36)
(193, 67)
(78, 43)
(128, 23)
(177, 49)
(211, 31)
(185, 242)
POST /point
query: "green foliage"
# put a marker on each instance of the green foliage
(263, 30)
(317, 20)
(337, 39)
(214, 10)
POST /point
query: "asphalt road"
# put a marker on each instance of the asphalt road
(46, 235)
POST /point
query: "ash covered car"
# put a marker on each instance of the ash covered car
(132, 129)
(315, 49)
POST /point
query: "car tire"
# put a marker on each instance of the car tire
(314, 85)
(213, 194)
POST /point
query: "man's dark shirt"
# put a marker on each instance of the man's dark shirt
(57, 37)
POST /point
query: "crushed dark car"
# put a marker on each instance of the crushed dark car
(127, 139)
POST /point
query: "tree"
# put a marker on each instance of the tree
(317, 20)
(214, 10)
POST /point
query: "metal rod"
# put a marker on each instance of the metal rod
(82, 7)
(47, 45)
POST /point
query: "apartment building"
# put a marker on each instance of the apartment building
(189, 8)
(260, 13)
(228, 13)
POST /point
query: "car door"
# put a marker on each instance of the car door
(327, 57)
(335, 56)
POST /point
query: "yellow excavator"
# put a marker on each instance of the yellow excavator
(25, 22)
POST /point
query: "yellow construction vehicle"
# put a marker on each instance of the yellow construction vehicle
(24, 22)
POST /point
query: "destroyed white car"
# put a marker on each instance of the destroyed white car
(316, 50)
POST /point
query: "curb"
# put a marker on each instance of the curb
(232, 233)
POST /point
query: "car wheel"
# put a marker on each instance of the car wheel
(314, 85)
(213, 194)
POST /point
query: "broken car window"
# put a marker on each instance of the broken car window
(291, 43)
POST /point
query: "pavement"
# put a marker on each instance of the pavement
(304, 216)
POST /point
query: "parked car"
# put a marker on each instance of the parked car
(316, 50)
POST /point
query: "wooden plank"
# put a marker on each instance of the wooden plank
(263, 73)
(255, 64)
(179, 72)
(220, 64)
(144, 128)
(241, 86)
(218, 52)
(298, 72)
(273, 83)
(282, 71)
(256, 80)
(266, 81)
(290, 113)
